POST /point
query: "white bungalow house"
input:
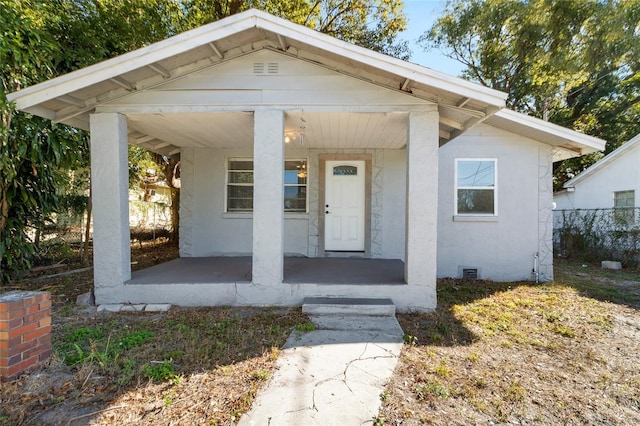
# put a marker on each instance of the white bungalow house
(310, 167)
(612, 182)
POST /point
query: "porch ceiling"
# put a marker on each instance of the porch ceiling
(322, 130)
(71, 98)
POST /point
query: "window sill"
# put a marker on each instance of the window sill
(474, 218)
(249, 215)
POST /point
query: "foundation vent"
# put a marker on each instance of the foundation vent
(470, 273)
(269, 68)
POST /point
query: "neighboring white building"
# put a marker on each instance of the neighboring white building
(612, 182)
(294, 143)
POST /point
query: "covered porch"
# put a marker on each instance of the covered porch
(297, 270)
(244, 88)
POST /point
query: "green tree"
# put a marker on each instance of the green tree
(373, 24)
(32, 150)
(575, 63)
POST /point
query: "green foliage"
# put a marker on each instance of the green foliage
(160, 372)
(93, 345)
(305, 327)
(575, 63)
(33, 151)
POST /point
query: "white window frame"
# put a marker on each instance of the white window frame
(227, 183)
(624, 213)
(249, 212)
(494, 188)
(297, 185)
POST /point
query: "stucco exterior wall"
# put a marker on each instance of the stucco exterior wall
(503, 247)
(596, 191)
(207, 230)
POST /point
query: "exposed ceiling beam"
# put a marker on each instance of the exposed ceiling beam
(160, 70)
(160, 145)
(490, 110)
(143, 139)
(65, 117)
(282, 42)
(216, 50)
(463, 102)
(444, 134)
(174, 151)
(451, 123)
(71, 100)
(123, 83)
(405, 85)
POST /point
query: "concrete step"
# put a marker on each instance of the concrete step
(348, 306)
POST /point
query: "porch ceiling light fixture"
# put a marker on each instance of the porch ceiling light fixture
(302, 170)
(294, 135)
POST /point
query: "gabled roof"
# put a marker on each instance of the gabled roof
(568, 143)
(72, 97)
(606, 161)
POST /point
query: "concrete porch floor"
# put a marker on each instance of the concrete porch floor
(297, 270)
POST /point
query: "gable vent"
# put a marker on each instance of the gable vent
(272, 68)
(258, 67)
(470, 273)
(269, 68)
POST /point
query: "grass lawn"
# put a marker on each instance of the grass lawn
(560, 353)
(567, 352)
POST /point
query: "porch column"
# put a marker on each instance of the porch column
(422, 200)
(110, 197)
(268, 197)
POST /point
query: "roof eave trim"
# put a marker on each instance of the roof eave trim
(629, 145)
(588, 142)
(114, 67)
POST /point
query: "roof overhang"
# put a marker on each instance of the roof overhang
(567, 143)
(71, 98)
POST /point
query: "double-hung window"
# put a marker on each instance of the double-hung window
(240, 185)
(623, 205)
(476, 186)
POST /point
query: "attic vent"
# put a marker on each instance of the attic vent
(272, 68)
(260, 68)
(470, 273)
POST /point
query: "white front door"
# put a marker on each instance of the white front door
(344, 206)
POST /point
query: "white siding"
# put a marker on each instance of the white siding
(596, 190)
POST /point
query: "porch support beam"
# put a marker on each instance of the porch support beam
(110, 188)
(268, 197)
(422, 202)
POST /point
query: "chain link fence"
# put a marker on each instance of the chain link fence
(593, 235)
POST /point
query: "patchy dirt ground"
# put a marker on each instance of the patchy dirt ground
(493, 353)
(562, 353)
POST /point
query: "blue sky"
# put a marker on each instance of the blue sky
(420, 15)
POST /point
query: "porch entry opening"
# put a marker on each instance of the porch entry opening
(344, 206)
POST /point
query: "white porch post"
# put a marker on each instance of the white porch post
(110, 197)
(422, 201)
(268, 197)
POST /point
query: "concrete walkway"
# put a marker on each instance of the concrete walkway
(331, 376)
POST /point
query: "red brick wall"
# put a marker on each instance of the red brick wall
(25, 332)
